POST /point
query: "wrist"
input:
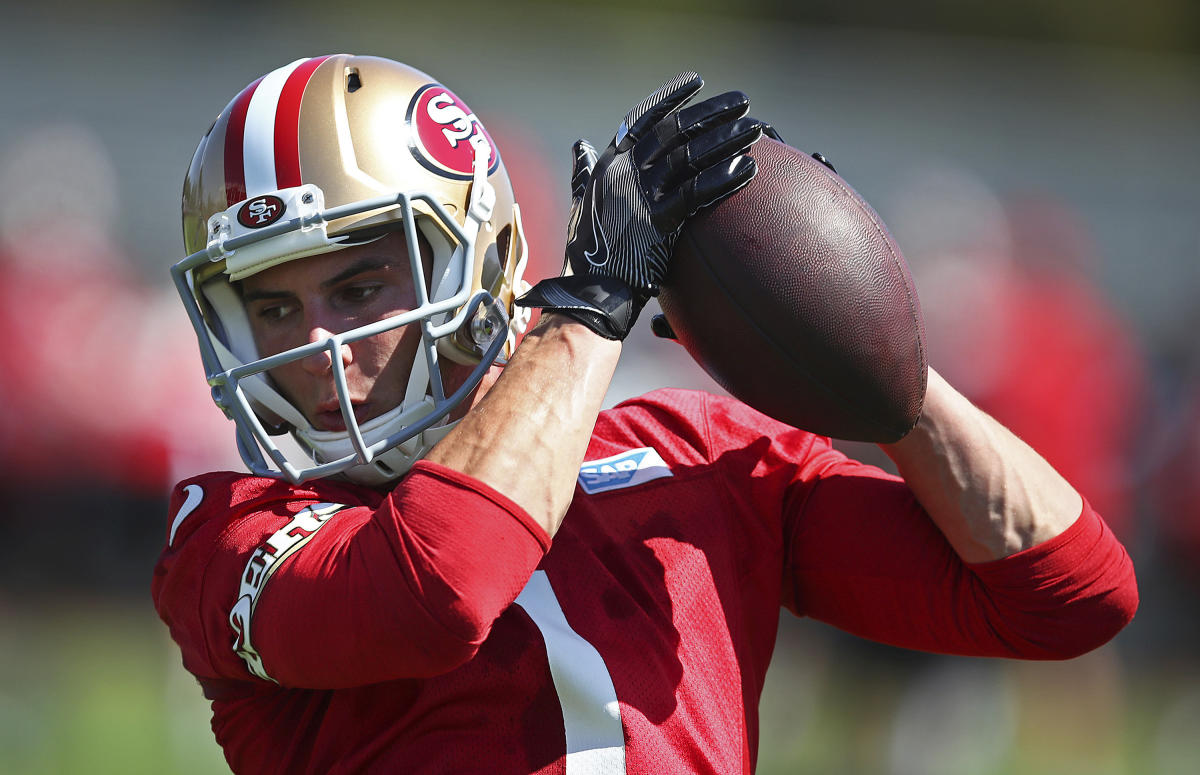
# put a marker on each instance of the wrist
(560, 324)
(605, 304)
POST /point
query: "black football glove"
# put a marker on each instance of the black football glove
(629, 205)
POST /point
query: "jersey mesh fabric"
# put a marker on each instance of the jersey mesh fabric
(397, 649)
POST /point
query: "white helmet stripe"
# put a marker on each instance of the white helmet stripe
(258, 142)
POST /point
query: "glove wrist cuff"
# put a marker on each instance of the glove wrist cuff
(607, 305)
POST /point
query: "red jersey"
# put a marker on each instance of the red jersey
(435, 629)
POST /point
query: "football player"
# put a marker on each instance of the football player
(446, 557)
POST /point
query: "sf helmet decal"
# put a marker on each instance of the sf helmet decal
(261, 211)
(445, 133)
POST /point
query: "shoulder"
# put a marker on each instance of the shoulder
(216, 524)
(238, 489)
(670, 416)
(227, 496)
(696, 426)
(206, 509)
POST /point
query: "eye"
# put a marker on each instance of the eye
(358, 293)
(275, 311)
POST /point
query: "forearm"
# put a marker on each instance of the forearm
(528, 434)
(989, 493)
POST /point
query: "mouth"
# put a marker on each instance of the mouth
(328, 416)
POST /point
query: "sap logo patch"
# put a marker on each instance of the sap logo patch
(627, 469)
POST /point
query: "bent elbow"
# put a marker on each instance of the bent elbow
(441, 655)
(471, 622)
(1085, 625)
(1103, 619)
(456, 625)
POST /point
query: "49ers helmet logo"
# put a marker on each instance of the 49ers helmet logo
(445, 133)
(261, 211)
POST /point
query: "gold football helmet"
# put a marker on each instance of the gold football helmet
(319, 155)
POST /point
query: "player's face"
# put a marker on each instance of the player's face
(305, 300)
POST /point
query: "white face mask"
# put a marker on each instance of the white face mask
(451, 317)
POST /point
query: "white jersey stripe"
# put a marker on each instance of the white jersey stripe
(591, 713)
(258, 142)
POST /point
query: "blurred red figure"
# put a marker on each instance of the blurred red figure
(99, 406)
(1016, 319)
(56, 415)
(1065, 339)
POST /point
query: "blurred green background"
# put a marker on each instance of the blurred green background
(1036, 160)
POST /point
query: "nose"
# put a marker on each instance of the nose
(320, 362)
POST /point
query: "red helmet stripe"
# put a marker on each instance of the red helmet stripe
(287, 124)
(235, 130)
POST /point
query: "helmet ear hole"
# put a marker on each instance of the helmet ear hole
(502, 240)
(491, 277)
(353, 80)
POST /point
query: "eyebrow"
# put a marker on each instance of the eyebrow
(362, 266)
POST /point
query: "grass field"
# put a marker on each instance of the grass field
(96, 688)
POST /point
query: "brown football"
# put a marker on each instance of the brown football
(794, 297)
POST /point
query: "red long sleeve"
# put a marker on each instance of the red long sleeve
(399, 586)
(866, 558)
(1066, 596)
